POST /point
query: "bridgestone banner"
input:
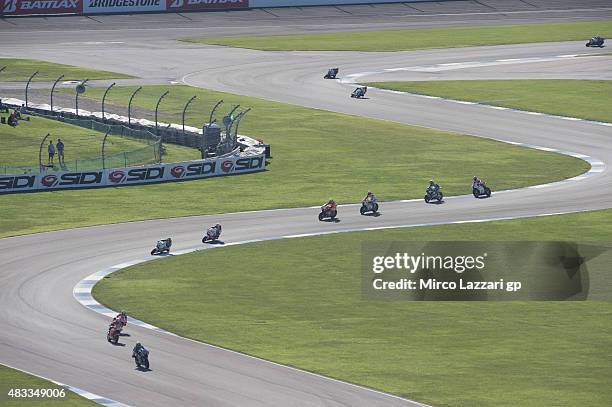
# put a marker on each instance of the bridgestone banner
(149, 174)
(122, 6)
(33, 7)
(193, 5)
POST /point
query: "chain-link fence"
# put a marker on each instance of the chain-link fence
(149, 153)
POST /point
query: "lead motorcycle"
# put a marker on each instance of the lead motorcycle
(480, 190)
(212, 234)
(596, 41)
(368, 206)
(162, 246)
(360, 92)
(432, 194)
(331, 73)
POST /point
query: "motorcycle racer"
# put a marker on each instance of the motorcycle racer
(370, 198)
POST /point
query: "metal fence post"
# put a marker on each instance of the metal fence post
(157, 109)
(27, 86)
(104, 98)
(40, 164)
(78, 91)
(53, 90)
(185, 109)
(103, 151)
(130, 105)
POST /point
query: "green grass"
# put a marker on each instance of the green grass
(317, 155)
(21, 69)
(421, 38)
(14, 379)
(587, 99)
(298, 302)
(21, 144)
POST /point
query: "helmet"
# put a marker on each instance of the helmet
(475, 178)
(138, 344)
(431, 181)
(369, 192)
(218, 225)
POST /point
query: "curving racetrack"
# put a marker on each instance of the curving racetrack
(48, 333)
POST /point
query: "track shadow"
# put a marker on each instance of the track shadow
(142, 369)
(335, 220)
(122, 334)
(118, 344)
(373, 214)
(216, 242)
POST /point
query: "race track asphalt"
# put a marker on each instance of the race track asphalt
(48, 333)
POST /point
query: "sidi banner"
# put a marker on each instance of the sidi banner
(193, 5)
(33, 7)
(148, 174)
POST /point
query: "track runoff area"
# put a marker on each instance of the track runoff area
(46, 291)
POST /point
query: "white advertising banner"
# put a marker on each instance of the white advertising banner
(148, 174)
(122, 6)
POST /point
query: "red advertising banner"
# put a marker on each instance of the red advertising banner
(32, 7)
(188, 5)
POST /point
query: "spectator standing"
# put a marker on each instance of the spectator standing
(51, 150)
(60, 151)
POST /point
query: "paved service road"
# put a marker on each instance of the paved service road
(48, 333)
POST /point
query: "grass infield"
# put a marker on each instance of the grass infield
(317, 155)
(587, 99)
(298, 302)
(15, 379)
(421, 38)
(21, 69)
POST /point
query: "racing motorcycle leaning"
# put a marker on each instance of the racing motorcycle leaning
(114, 331)
(433, 194)
(331, 73)
(162, 246)
(360, 92)
(328, 211)
(481, 189)
(368, 206)
(141, 357)
(596, 41)
(212, 234)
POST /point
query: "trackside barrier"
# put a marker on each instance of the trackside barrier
(12, 8)
(149, 174)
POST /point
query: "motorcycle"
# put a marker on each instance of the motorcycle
(596, 42)
(360, 92)
(142, 358)
(481, 190)
(212, 234)
(162, 246)
(433, 195)
(328, 212)
(331, 73)
(368, 206)
(113, 334)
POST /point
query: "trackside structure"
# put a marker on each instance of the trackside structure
(11, 8)
(245, 155)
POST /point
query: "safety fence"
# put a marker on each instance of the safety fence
(149, 153)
